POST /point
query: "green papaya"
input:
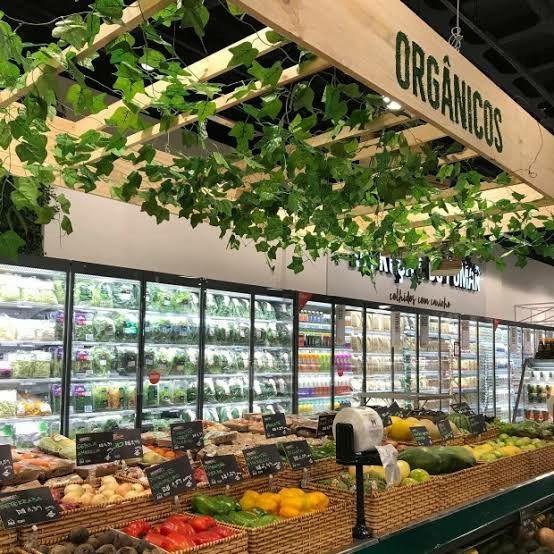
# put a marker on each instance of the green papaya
(455, 458)
(422, 457)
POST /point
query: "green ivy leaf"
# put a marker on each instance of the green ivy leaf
(64, 203)
(9, 74)
(273, 37)
(25, 194)
(243, 133)
(45, 214)
(234, 9)
(72, 30)
(123, 118)
(268, 76)
(32, 149)
(303, 97)
(129, 189)
(297, 264)
(5, 134)
(204, 110)
(195, 15)
(335, 108)
(151, 207)
(272, 106)
(66, 225)
(111, 9)
(10, 244)
(518, 196)
(152, 58)
(243, 54)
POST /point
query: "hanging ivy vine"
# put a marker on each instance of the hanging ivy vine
(275, 190)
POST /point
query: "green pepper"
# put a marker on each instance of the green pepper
(266, 520)
(226, 504)
(243, 519)
(222, 518)
(204, 505)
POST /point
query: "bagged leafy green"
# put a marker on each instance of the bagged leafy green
(103, 328)
(9, 288)
(83, 292)
(82, 326)
(163, 360)
(102, 295)
(192, 393)
(179, 393)
(37, 290)
(125, 294)
(151, 394)
(100, 398)
(83, 361)
(102, 360)
(126, 327)
(165, 393)
(126, 360)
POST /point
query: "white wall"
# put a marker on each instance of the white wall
(115, 233)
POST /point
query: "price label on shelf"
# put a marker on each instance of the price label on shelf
(127, 444)
(275, 425)
(222, 470)
(465, 335)
(395, 330)
(325, 425)
(527, 342)
(445, 429)
(514, 336)
(262, 460)
(461, 408)
(28, 507)
(421, 435)
(6, 463)
(477, 423)
(94, 448)
(424, 330)
(187, 435)
(170, 478)
(299, 454)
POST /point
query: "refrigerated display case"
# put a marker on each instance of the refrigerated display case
(227, 360)
(405, 359)
(515, 365)
(348, 361)
(469, 365)
(449, 359)
(429, 360)
(171, 354)
(486, 368)
(315, 337)
(273, 386)
(378, 351)
(104, 355)
(31, 353)
(502, 373)
(537, 390)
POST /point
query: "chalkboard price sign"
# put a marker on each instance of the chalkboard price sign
(384, 414)
(477, 423)
(187, 435)
(6, 463)
(299, 454)
(394, 408)
(170, 478)
(325, 425)
(421, 435)
(126, 444)
(262, 460)
(275, 425)
(462, 408)
(28, 507)
(94, 448)
(222, 470)
(445, 429)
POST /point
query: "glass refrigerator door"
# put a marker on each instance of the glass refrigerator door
(227, 355)
(104, 360)
(273, 377)
(429, 362)
(537, 389)
(31, 334)
(515, 338)
(378, 351)
(502, 374)
(486, 369)
(349, 371)
(314, 358)
(171, 348)
(469, 381)
(405, 360)
(450, 344)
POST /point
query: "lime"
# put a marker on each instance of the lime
(419, 475)
(408, 482)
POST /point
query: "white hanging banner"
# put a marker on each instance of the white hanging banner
(528, 342)
(513, 339)
(424, 330)
(465, 334)
(395, 330)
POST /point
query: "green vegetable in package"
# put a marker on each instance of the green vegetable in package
(102, 295)
(103, 328)
(438, 459)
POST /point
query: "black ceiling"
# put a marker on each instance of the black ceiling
(511, 41)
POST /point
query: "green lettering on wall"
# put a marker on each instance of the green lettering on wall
(403, 60)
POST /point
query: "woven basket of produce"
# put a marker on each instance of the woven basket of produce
(465, 486)
(284, 521)
(8, 540)
(489, 434)
(509, 471)
(540, 461)
(320, 469)
(172, 534)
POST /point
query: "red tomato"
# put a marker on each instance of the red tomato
(155, 538)
(202, 523)
(223, 532)
(205, 536)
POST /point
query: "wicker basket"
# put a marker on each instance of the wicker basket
(8, 540)
(463, 487)
(319, 470)
(393, 509)
(540, 461)
(488, 435)
(97, 517)
(510, 471)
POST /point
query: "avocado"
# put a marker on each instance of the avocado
(79, 535)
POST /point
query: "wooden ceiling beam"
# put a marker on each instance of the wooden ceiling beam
(132, 17)
(203, 70)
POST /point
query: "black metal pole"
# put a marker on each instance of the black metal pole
(201, 353)
(361, 530)
(141, 355)
(295, 326)
(67, 352)
(251, 353)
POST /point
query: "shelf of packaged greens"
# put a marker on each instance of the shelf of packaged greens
(324, 373)
(316, 348)
(283, 399)
(29, 343)
(83, 343)
(88, 378)
(225, 403)
(76, 415)
(235, 346)
(29, 381)
(29, 305)
(25, 419)
(169, 407)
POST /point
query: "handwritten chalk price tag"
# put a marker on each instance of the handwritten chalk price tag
(275, 425)
(187, 435)
(222, 470)
(262, 460)
(6, 463)
(421, 435)
(325, 425)
(445, 429)
(127, 444)
(94, 448)
(28, 507)
(170, 478)
(299, 454)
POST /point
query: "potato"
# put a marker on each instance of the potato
(137, 487)
(86, 498)
(73, 488)
(71, 498)
(87, 488)
(109, 493)
(98, 499)
(124, 488)
(133, 494)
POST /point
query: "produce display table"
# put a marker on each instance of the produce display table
(460, 526)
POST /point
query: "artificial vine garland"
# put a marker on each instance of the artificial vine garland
(275, 190)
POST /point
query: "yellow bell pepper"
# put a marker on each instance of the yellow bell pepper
(249, 500)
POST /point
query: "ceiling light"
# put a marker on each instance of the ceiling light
(394, 106)
(384, 306)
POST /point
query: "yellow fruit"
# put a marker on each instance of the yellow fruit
(431, 427)
(295, 503)
(268, 502)
(249, 500)
(400, 428)
(316, 501)
(404, 468)
(288, 511)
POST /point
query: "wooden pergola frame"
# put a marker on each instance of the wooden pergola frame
(358, 37)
